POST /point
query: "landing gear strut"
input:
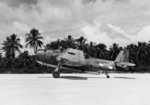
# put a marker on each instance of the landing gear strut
(106, 73)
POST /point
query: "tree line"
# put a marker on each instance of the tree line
(25, 63)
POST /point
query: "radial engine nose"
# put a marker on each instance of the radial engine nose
(40, 55)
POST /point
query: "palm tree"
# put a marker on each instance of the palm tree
(142, 54)
(33, 39)
(148, 55)
(114, 50)
(132, 53)
(10, 47)
(101, 50)
(24, 59)
(81, 43)
(68, 42)
(54, 45)
(91, 48)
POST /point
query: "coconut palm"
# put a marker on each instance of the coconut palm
(34, 39)
(81, 43)
(10, 47)
(24, 59)
(54, 44)
(100, 51)
(68, 42)
(142, 54)
(91, 48)
(132, 52)
(114, 51)
(148, 51)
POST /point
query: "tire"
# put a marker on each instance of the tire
(56, 74)
(108, 77)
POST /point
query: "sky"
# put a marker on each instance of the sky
(100, 21)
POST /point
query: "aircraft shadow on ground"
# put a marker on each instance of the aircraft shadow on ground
(85, 78)
(44, 77)
(125, 77)
(74, 77)
(69, 77)
(78, 77)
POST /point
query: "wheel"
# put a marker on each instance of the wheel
(108, 76)
(56, 74)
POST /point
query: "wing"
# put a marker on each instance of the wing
(54, 66)
(67, 68)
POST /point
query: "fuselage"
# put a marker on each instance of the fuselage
(73, 59)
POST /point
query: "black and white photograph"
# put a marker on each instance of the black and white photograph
(74, 52)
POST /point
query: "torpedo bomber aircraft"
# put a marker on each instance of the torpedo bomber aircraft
(75, 60)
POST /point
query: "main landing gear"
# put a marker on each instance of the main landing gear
(56, 73)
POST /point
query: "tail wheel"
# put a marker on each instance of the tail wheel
(56, 74)
(108, 76)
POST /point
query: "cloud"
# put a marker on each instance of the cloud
(141, 36)
(16, 3)
(117, 29)
(20, 28)
(122, 21)
(95, 33)
(48, 40)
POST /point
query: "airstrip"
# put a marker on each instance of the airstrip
(74, 89)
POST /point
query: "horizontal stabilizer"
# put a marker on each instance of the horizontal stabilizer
(126, 63)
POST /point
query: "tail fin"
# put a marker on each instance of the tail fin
(123, 56)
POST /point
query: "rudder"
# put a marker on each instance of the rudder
(123, 56)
